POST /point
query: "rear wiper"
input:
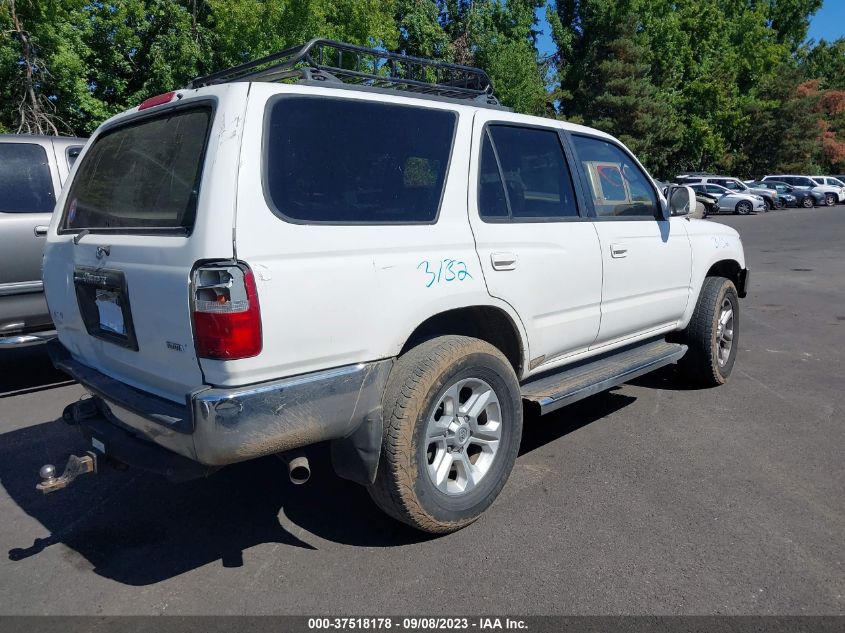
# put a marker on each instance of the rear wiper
(80, 235)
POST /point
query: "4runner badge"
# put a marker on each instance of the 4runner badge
(177, 347)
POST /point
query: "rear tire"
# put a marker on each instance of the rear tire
(452, 428)
(831, 199)
(712, 334)
(808, 202)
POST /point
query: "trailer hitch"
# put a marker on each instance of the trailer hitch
(75, 467)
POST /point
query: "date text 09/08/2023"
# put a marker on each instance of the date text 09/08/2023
(416, 624)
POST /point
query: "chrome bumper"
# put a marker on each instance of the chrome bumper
(26, 340)
(219, 426)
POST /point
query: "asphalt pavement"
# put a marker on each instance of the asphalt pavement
(649, 499)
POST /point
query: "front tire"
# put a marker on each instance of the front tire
(744, 207)
(712, 334)
(452, 428)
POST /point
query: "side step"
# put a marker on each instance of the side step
(573, 383)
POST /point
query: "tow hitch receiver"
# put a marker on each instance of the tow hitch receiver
(75, 467)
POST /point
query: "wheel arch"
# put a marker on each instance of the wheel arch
(728, 268)
(486, 322)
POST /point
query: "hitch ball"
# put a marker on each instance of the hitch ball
(47, 474)
(76, 466)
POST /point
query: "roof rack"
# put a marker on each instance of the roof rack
(336, 62)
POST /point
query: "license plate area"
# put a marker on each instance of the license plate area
(104, 305)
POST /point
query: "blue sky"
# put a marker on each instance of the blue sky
(828, 23)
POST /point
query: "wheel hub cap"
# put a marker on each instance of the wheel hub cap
(462, 436)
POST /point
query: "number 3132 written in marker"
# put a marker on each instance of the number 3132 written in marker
(443, 271)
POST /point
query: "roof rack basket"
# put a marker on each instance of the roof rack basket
(329, 61)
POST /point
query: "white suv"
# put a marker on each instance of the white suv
(247, 267)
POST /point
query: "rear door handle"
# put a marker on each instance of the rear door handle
(503, 261)
(40, 230)
(618, 250)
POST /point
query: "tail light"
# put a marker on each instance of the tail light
(227, 318)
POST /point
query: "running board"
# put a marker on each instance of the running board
(570, 384)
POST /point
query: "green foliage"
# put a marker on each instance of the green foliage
(687, 84)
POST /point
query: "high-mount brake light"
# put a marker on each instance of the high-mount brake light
(167, 97)
(227, 317)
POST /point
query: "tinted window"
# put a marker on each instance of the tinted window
(537, 179)
(618, 186)
(345, 161)
(491, 191)
(25, 183)
(144, 175)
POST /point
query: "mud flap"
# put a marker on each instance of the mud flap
(356, 456)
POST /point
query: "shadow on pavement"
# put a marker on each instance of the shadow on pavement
(28, 370)
(668, 378)
(138, 528)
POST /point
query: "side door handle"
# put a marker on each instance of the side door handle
(40, 230)
(618, 250)
(503, 261)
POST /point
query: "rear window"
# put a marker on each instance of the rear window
(356, 162)
(142, 176)
(25, 183)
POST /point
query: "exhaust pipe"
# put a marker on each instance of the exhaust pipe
(299, 470)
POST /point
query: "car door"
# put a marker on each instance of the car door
(28, 188)
(647, 260)
(537, 252)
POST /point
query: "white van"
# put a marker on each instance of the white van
(341, 244)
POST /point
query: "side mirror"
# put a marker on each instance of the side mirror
(681, 200)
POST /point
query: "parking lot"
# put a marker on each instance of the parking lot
(650, 499)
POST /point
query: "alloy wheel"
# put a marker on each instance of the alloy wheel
(463, 434)
(725, 332)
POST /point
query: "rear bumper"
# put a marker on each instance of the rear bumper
(219, 426)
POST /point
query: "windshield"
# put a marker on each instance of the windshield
(143, 176)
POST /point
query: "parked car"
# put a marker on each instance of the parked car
(771, 199)
(792, 196)
(32, 170)
(244, 268)
(731, 201)
(833, 194)
(708, 201)
(830, 181)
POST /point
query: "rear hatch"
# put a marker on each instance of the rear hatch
(151, 195)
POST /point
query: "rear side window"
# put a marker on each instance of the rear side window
(343, 161)
(25, 183)
(538, 185)
(618, 186)
(143, 176)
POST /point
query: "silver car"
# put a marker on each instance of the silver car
(32, 170)
(732, 201)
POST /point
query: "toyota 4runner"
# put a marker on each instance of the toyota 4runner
(341, 244)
